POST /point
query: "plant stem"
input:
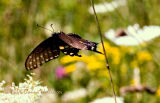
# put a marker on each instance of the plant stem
(107, 64)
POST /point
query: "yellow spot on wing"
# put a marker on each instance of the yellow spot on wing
(61, 47)
(92, 48)
(51, 57)
(71, 53)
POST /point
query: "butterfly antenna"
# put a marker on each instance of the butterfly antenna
(52, 27)
(44, 28)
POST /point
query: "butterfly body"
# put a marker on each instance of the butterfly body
(50, 49)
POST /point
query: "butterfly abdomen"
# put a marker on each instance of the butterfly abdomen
(92, 46)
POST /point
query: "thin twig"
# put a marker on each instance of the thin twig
(107, 64)
(141, 88)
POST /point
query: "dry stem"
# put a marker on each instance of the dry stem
(107, 65)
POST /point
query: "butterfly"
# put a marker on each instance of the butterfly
(50, 49)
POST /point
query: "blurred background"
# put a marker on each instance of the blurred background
(131, 35)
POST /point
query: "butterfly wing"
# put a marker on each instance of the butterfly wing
(67, 49)
(74, 35)
(43, 53)
(76, 41)
(47, 50)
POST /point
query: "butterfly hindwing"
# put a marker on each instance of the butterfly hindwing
(71, 51)
(76, 41)
(68, 50)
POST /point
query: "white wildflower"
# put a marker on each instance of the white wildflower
(27, 92)
(1, 86)
(13, 84)
(107, 7)
(49, 97)
(3, 82)
(17, 98)
(136, 77)
(74, 95)
(108, 100)
(33, 74)
(134, 35)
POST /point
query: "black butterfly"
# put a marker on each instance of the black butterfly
(49, 49)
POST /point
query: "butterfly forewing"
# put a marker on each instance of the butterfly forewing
(44, 52)
(74, 35)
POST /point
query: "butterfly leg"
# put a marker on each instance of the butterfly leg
(75, 51)
(78, 55)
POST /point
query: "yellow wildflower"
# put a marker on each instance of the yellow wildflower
(93, 63)
(106, 45)
(134, 64)
(115, 53)
(123, 68)
(68, 59)
(112, 52)
(144, 44)
(144, 56)
(70, 68)
(133, 82)
(158, 92)
(126, 49)
(103, 73)
(96, 61)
